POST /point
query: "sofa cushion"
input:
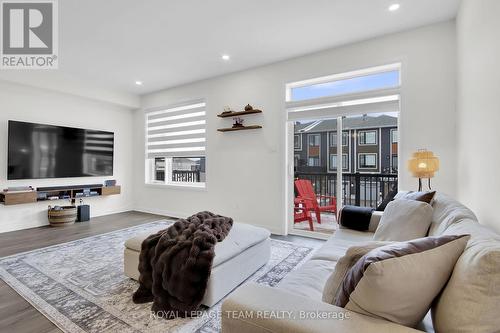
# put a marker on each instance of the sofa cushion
(399, 281)
(404, 220)
(446, 212)
(470, 302)
(424, 196)
(337, 245)
(309, 280)
(241, 237)
(344, 264)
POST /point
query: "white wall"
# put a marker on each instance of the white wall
(478, 31)
(245, 170)
(18, 102)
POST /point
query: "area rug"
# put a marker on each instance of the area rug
(80, 285)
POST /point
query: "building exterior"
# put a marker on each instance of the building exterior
(369, 145)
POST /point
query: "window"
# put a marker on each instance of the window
(394, 136)
(367, 137)
(314, 140)
(394, 164)
(376, 78)
(297, 142)
(367, 161)
(313, 162)
(333, 139)
(175, 139)
(159, 169)
(333, 162)
(313, 150)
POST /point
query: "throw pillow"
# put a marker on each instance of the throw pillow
(404, 220)
(356, 218)
(389, 197)
(352, 255)
(425, 196)
(398, 282)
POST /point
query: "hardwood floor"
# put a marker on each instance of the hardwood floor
(16, 314)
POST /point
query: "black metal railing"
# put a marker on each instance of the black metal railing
(358, 189)
(191, 176)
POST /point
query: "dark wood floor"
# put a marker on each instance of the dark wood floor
(16, 314)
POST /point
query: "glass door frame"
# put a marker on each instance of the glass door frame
(339, 113)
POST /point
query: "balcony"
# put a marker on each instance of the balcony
(189, 176)
(358, 189)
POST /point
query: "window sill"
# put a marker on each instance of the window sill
(193, 187)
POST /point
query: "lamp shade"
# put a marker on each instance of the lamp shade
(423, 164)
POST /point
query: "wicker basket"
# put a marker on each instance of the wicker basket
(63, 216)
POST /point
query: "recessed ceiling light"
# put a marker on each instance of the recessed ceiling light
(139, 83)
(394, 7)
(225, 57)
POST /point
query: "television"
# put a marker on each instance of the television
(37, 151)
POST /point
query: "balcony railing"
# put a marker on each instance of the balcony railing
(358, 189)
(186, 176)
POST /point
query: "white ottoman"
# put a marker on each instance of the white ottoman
(239, 255)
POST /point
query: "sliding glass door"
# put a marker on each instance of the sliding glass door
(343, 160)
(343, 146)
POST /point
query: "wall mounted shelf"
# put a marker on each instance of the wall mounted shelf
(238, 113)
(243, 128)
(62, 193)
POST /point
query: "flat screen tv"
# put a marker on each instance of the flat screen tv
(46, 151)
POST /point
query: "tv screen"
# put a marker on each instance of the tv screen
(46, 151)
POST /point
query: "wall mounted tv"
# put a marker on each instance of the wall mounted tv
(45, 151)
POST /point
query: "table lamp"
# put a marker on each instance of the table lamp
(423, 164)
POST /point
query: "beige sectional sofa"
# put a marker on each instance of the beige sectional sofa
(468, 303)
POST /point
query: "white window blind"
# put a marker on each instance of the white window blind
(176, 131)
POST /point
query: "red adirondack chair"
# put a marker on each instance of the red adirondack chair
(300, 213)
(305, 192)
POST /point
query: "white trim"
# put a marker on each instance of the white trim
(326, 111)
(178, 186)
(370, 168)
(366, 131)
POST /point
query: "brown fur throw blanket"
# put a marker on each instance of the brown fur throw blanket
(175, 263)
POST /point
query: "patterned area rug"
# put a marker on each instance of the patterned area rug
(80, 285)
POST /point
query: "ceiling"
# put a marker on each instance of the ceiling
(108, 45)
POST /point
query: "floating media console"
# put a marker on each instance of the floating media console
(51, 193)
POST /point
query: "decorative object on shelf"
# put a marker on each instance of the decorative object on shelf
(111, 182)
(423, 164)
(248, 107)
(62, 215)
(238, 122)
(19, 189)
(227, 110)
